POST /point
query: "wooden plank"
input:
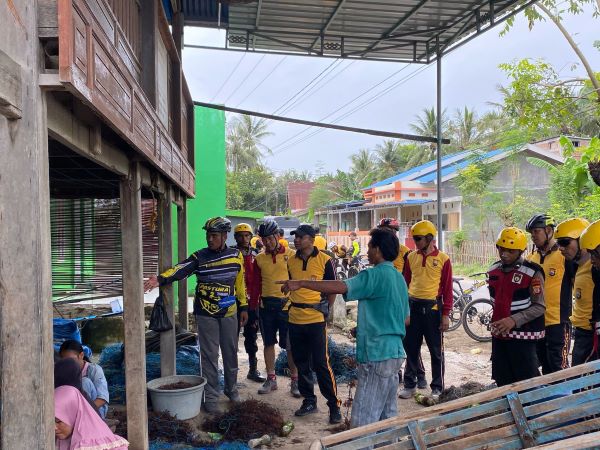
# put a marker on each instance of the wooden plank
(374, 439)
(68, 129)
(148, 56)
(182, 252)
(516, 408)
(165, 261)
(416, 435)
(586, 441)
(26, 353)
(482, 397)
(133, 309)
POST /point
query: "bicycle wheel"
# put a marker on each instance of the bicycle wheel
(352, 271)
(455, 317)
(477, 317)
(341, 276)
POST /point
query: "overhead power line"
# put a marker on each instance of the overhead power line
(244, 79)
(228, 77)
(261, 81)
(390, 134)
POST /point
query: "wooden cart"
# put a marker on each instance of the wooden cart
(559, 410)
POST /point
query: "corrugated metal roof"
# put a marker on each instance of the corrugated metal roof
(455, 167)
(408, 174)
(427, 173)
(398, 30)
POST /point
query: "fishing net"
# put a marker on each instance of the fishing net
(246, 420)
(342, 358)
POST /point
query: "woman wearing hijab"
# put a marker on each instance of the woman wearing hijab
(78, 426)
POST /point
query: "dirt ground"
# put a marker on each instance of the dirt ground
(466, 360)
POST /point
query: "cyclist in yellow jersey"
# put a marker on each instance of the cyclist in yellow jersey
(282, 240)
(567, 236)
(590, 241)
(220, 292)
(271, 266)
(428, 274)
(320, 241)
(307, 328)
(553, 349)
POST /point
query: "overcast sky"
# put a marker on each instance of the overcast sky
(470, 76)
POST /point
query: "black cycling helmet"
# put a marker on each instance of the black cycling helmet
(218, 225)
(268, 228)
(540, 221)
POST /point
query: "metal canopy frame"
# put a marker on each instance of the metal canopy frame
(406, 31)
(399, 31)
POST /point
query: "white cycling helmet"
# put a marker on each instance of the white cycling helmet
(331, 245)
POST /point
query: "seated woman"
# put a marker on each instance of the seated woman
(93, 380)
(77, 426)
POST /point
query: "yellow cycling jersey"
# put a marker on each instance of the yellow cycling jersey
(583, 295)
(558, 285)
(273, 268)
(399, 261)
(318, 266)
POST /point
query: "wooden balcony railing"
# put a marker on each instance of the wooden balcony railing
(98, 64)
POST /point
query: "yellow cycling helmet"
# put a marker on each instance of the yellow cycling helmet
(241, 227)
(423, 228)
(590, 238)
(571, 228)
(512, 238)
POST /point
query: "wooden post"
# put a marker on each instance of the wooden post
(133, 309)
(26, 365)
(165, 261)
(182, 252)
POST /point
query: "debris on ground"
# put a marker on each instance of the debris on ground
(165, 428)
(160, 445)
(425, 400)
(342, 358)
(250, 419)
(464, 390)
(178, 385)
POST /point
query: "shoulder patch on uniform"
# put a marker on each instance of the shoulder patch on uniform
(551, 272)
(517, 278)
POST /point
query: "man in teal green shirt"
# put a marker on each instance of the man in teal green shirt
(383, 313)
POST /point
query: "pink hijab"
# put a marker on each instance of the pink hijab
(90, 432)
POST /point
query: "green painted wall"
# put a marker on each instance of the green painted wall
(209, 158)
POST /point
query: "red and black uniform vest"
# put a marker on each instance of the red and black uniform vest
(511, 293)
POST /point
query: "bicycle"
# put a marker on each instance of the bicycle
(357, 265)
(461, 298)
(478, 319)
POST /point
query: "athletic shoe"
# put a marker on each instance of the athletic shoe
(268, 386)
(306, 409)
(335, 416)
(435, 394)
(422, 383)
(407, 393)
(235, 397)
(212, 408)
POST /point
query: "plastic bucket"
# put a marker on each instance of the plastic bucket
(182, 403)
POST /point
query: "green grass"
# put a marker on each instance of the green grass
(468, 269)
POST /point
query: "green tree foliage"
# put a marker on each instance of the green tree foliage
(363, 167)
(250, 189)
(537, 90)
(334, 188)
(572, 190)
(540, 101)
(244, 143)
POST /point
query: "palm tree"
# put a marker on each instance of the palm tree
(245, 149)
(466, 128)
(426, 125)
(388, 159)
(363, 167)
